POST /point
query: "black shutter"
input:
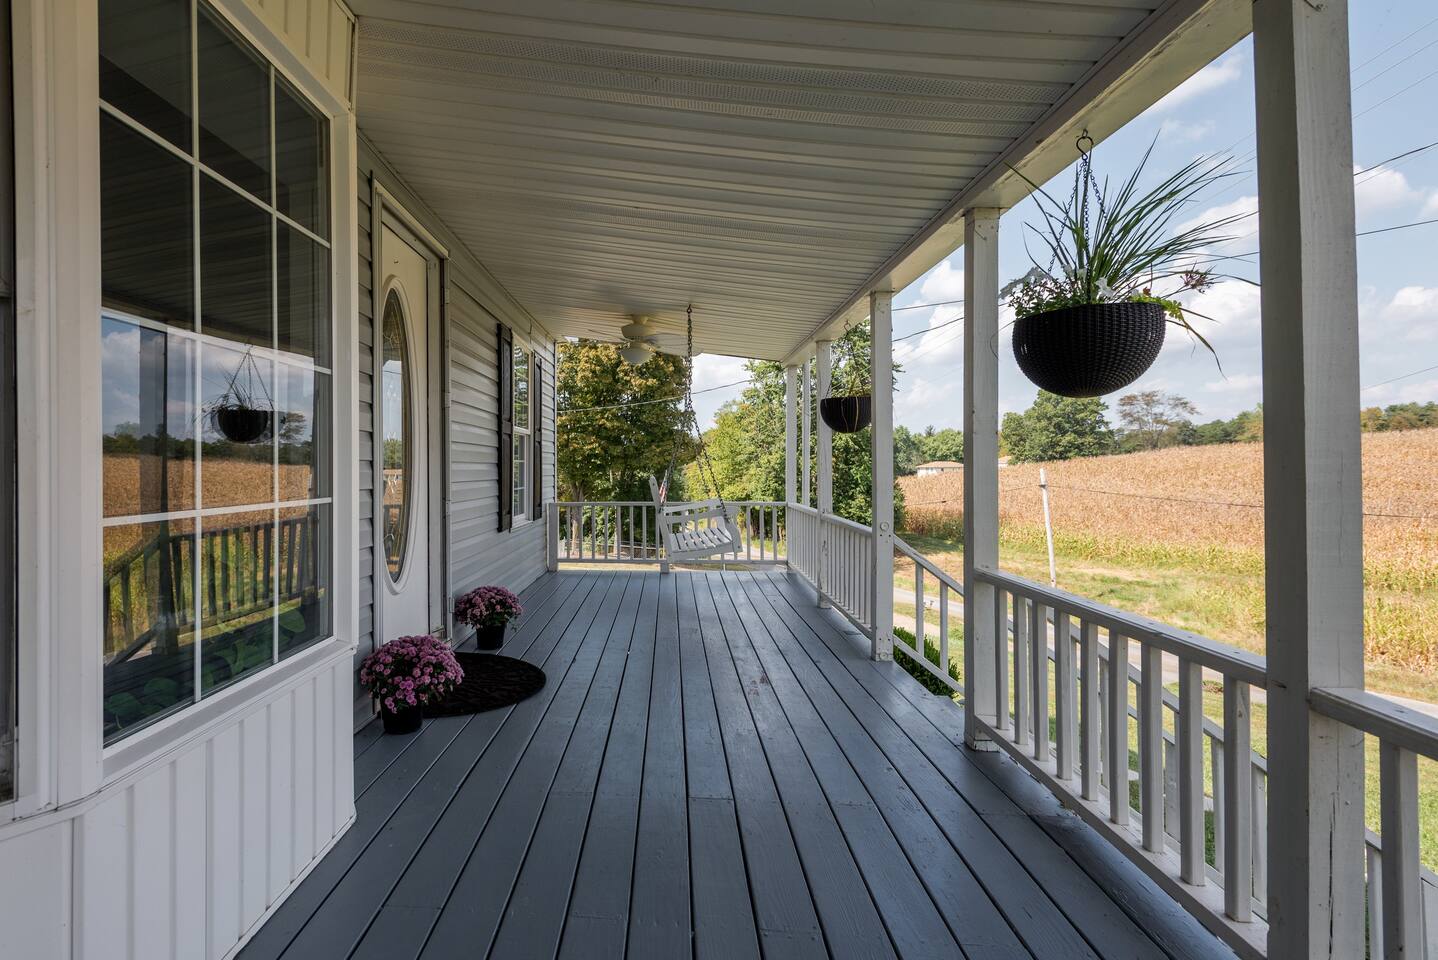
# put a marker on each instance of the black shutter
(536, 424)
(506, 428)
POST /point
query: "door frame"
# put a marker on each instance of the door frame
(387, 211)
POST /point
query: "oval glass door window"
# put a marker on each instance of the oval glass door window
(396, 418)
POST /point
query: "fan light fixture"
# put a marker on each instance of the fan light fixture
(635, 353)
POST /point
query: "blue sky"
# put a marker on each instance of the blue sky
(1395, 86)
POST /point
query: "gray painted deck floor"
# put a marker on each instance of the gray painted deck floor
(713, 768)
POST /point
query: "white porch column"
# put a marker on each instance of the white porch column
(806, 415)
(791, 450)
(824, 494)
(1312, 492)
(981, 464)
(881, 327)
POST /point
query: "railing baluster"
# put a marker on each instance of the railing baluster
(1001, 653)
(1402, 895)
(920, 621)
(1118, 802)
(593, 532)
(1150, 745)
(1220, 787)
(1374, 860)
(1190, 771)
(1089, 710)
(1065, 709)
(1021, 670)
(944, 635)
(1039, 664)
(1237, 802)
(1259, 813)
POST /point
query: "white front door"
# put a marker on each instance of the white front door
(403, 424)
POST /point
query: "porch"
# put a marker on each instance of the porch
(715, 764)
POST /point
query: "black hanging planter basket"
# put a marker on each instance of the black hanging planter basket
(847, 414)
(241, 424)
(1089, 350)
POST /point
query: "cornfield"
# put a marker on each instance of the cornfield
(1201, 508)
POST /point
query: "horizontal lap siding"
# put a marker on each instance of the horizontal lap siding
(365, 425)
(478, 552)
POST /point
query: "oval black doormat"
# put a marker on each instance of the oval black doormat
(490, 681)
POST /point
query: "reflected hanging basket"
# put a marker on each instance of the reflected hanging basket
(241, 424)
(847, 414)
(1089, 350)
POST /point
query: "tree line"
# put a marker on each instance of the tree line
(1059, 428)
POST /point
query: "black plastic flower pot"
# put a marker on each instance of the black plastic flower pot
(402, 721)
(847, 414)
(489, 636)
(1090, 350)
(241, 424)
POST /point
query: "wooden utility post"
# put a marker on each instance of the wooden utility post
(1313, 522)
(981, 465)
(881, 328)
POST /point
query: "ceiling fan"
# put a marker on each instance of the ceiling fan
(643, 336)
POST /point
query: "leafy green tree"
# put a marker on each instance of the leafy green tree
(1057, 428)
(1151, 419)
(908, 451)
(746, 443)
(945, 444)
(618, 423)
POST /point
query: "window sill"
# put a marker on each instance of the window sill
(175, 733)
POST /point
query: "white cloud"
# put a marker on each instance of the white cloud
(1243, 233)
(1217, 74)
(1180, 131)
(1383, 189)
(1412, 313)
(944, 282)
(1235, 383)
(1233, 311)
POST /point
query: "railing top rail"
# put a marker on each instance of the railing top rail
(1375, 714)
(928, 565)
(1229, 661)
(839, 521)
(604, 503)
(801, 508)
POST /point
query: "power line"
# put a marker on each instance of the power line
(937, 326)
(920, 306)
(1404, 376)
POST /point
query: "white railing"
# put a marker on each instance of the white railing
(627, 531)
(1401, 892)
(1070, 751)
(836, 556)
(933, 589)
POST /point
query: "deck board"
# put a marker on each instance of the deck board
(714, 768)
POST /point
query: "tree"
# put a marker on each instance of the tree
(908, 451)
(945, 444)
(1057, 428)
(746, 443)
(618, 423)
(1152, 419)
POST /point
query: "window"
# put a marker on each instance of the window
(396, 417)
(215, 344)
(520, 465)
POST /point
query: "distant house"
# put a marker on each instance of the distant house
(938, 466)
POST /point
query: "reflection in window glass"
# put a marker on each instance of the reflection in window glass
(304, 457)
(521, 462)
(395, 414)
(145, 63)
(521, 388)
(237, 596)
(300, 153)
(203, 587)
(148, 603)
(147, 255)
(235, 290)
(234, 107)
(304, 295)
(237, 398)
(304, 576)
(149, 419)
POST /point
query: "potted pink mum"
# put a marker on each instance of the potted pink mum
(488, 610)
(405, 674)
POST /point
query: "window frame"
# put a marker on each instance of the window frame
(333, 181)
(520, 507)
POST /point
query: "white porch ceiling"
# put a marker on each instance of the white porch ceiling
(766, 160)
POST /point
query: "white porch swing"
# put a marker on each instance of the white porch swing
(695, 529)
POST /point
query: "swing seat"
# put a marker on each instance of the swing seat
(693, 530)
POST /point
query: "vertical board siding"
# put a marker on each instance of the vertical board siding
(320, 32)
(182, 859)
